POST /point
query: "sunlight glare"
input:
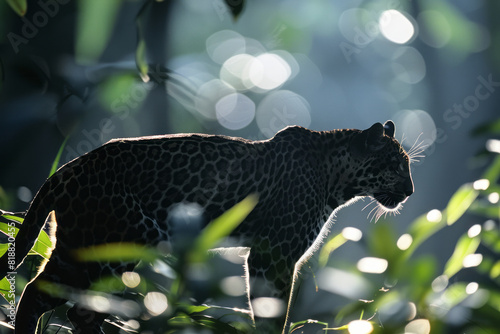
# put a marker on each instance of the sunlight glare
(474, 231)
(235, 111)
(266, 307)
(396, 27)
(493, 198)
(419, 326)
(155, 302)
(99, 303)
(493, 145)
(268, 71)
(481, 184)
(434, 216)
(404, 242)
(471, 288)
(131, 279)
(472, 260)
(233, 286)
(360, 327)
(372, 265)
(440, 283)
(352, 233)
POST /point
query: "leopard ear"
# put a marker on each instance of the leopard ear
(389, 128)
(367, 141)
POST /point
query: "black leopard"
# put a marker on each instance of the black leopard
(124, 191)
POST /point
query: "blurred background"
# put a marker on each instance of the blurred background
(90, 71)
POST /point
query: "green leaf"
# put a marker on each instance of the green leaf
(116, 252)
(19, 6)
(489, 128)
(5, 291)
(495, 270)
(464, 34)
(115, 87)
(55, 164)
(14, 218)
(454, 295)
(329, 247)
(297, 325)
(221, 227)
(382, 241)
(95, 22)
(195, 308)
(43, 245)
(141, 60)
(465, 246)
(493, 171)
(10, 231)
(460, 202)
(420, 230)
(486, 210)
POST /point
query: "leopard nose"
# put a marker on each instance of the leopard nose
(408, 187)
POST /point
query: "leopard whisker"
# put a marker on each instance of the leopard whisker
(416, 150)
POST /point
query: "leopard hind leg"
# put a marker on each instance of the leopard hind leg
(35, 301)
(89, 321)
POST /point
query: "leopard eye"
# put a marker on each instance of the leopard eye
(401, 170)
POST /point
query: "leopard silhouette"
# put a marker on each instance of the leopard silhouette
(124, 190)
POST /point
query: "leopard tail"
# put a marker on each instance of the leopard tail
(29, 230)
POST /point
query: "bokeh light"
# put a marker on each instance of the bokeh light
(155, 302)
(474, 230)
(360, 327)
(472, 260)
(268, 71)
(416, 126)
(280, 109)
(493, 145)
(408, 65)
(372, 265)
(233, 286)
(225, 44)
(343, 283)
(481, 184)
(99, 303)
(131, 279)
(471, 288)
(396, 27)
(434, 216)
(235, 111)
(404, 242)
(266, 307)
(235, 71)
(493, 198)
(208, 94)
(418, 326)
(439, 283)
(352, 233)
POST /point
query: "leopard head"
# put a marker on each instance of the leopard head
(382, 166)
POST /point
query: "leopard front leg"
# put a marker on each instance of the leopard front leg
(271, 276)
